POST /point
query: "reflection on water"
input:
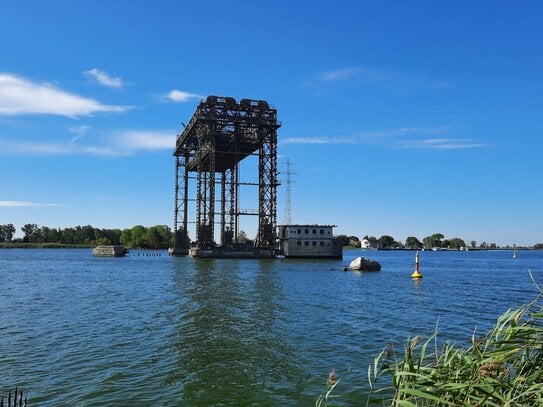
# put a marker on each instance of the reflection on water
(229, 349)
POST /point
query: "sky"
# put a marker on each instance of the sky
(401, 118)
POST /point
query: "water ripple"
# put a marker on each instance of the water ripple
(180, 331)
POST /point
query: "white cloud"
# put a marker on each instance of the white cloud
(19, 96)
(403, 137)
(180, 96)
(16, 204)
(104, 79)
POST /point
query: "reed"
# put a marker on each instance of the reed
(502, 368)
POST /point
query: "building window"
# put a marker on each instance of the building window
(322, 231)
(314, 231)
(306, 231)
(299, 231)
(322, 243)
(314, 242)
(306, 243)
(299, 242)
(328, 232)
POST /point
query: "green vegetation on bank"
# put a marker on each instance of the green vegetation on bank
(435, 241)
(153, 237)
(501, 368)
(14, 245)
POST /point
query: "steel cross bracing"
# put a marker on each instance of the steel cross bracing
(220, 134)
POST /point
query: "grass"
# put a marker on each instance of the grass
(502, 368)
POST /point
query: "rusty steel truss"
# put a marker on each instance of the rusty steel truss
(220, 134)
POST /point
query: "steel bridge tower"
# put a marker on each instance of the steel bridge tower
(220, 134)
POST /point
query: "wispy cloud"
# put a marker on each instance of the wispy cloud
(131, 142)
(428, 138)
(17, 204)
(104, 79)
(180, 96)
(122, 143)
(354, 72)
(79, 132)
(10, 147)
(441, 144)
(383, 77)
(146, 140)
(20, 96)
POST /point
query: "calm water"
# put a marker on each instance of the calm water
(78, 330)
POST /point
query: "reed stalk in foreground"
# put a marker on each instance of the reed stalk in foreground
(503, 368)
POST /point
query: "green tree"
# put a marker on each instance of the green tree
(473, 244)
(538, 246)
(165, 234)
(102, 241)
(31, 232)
(457, 243)
(151, 238)
(7, 232)
(386, 241)
(242, 237)
(68, 236)
(137, 233)
(413, 243)
(433, 240)
(343, 240)
(126, 238)
(50, 235)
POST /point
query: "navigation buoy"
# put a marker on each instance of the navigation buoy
(417, 273)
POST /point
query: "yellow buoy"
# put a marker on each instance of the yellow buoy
(417, 274)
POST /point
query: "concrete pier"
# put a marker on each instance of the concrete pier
(109, 251)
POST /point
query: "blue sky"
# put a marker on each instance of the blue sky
(400, 117)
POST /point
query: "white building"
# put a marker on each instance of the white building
(309, 241)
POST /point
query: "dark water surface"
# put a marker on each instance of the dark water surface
(78, 330)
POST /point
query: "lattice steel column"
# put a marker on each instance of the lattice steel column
(267, 189)
(176, 195)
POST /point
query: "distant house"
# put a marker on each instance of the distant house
(365, 244)
(369, 243)
(309, 241)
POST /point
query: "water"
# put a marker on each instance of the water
(141, 330)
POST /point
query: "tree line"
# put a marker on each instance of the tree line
(436, 240)
(153, 237)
